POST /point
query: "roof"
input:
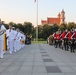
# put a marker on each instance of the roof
(44, 22)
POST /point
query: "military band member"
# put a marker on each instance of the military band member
(2, 30)
(63, 35)
(55, 39)
(75, 39)
(66, 40)
(69, 39)
(18, 39)
(59, 38)
(72, 40)
(22, 39)
(15, 42)
(11, 37)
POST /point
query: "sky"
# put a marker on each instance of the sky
(20, 11)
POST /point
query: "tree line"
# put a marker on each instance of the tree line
(43, 31)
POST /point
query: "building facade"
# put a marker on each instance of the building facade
(58, 20)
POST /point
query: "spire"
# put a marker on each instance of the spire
(59, 15)
(62, 11)
(62, 16)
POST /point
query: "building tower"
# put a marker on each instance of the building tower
(62, 18)
(59, 15)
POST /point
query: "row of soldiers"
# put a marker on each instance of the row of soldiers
(14, 39)
(65, 40)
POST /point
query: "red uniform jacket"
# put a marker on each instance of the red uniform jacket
(69, 35)
(63, 35)
(55, 36)
(75, 34)
(58, 36)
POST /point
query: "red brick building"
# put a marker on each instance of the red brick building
(58, 20)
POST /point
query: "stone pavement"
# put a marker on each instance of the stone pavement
(39, 60)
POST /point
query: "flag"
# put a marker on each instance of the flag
(34, 0)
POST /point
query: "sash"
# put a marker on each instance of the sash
(2, 31)
(0, 26)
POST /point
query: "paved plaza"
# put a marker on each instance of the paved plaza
(39, 60)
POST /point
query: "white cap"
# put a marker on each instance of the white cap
(13, 27)
(17, 29)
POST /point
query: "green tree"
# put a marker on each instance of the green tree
(28, 28)
(20, 26)
(70, 25)
(63, 27)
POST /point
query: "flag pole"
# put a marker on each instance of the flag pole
(37, 20)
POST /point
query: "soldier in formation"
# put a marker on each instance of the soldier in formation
(65, 40)
(15, 39)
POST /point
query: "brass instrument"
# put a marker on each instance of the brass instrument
(22, 41)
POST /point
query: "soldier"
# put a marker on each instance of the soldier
(2, 30)
(65, 34)
(15, 42)
(62, 36)
(11, 37)
(75, 39)
(72, 40)
(17, 39)
(59, 38)
(23, 39)
(55, 39)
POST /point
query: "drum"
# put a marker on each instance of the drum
(69, 43)
(75, 42)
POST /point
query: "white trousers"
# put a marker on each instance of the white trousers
(23, 45)
(1, 47)
(18, 44)
(15, 46)
(11, 45)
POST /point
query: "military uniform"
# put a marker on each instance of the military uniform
(18, 40)
(2, 28)
(15, 42)
(55, 39)
(11, 37)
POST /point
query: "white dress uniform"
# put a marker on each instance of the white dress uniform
(15, 42)
(20, 44)
(24, 40)
(2, 41)
(10, 36)
(18, 38)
